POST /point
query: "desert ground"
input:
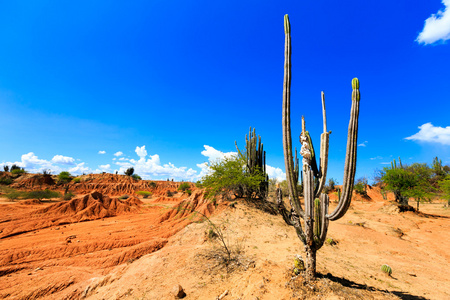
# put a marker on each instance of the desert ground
(100, 246)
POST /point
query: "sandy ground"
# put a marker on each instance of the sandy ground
(145, 254)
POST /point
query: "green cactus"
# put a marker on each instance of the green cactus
(315, 215)
(386, 269)
(255, 158)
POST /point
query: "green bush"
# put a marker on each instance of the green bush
(360, 188)
(68, 196)
(5, 181)
(184, 186)
(76, 180)
(169, 193)
(229, 176)
(64, 177)
(144, 194)
(189, 192)
(136, 177)
(17, 171)
(14, 195)
(152, 184)
(39, 195)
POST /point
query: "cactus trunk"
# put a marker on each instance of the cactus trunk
(315, 216)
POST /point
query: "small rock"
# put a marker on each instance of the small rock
(178, 291)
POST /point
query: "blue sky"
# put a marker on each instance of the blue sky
(165, 86)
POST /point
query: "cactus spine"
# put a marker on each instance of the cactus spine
(255, 159)
(315, 215)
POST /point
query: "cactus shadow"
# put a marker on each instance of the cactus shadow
(354, 285)
(262, 204)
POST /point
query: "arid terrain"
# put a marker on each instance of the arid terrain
(100, 246)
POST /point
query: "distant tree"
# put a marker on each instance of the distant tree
(444, 185)
(184, 186)
(438, 168)
(64, 177)
(399, 181)
(6, 168)
(360, 186)
(14, 167)
(129, 171)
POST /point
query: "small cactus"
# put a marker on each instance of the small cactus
(386, 269)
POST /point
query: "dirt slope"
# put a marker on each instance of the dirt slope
(99, 247)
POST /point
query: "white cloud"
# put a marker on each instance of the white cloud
(80, 169)
(65, 160)
(275, 173)
(432, 134)
(437, 26)
(105, 168)
(101, 152)
(141, 152)
(377, 157)
(363, 144)
(118, 153)
(214, 155)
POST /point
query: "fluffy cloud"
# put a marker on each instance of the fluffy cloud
(275, 173)
(65, 160)
(141, 152)
(152, 168)
(432, 134)
(214, 155)
(437, 26)
(101, 152)
(33, 164)
(118, 153)
(105, 168)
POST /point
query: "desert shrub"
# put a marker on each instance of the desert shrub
(361, 186)
(144, 194)
(229, 176)
(64, 177)
(5, 181)
(6, 168)
(17, 171)
(189, 192)
(169, 193)
(184, 186)
(136, 177)
(152, 184)
(76, 180)
(199, 184)
(129, 171)
(39, 195)
(444, 185)
(46, 172)
(14, 195)
(14, 167)
(123, 197)
(68, 196)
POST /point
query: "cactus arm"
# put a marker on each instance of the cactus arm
(324, 146)
(308, 193)
(287, 140)
(313, 156)
(324, 203)
(350, 159)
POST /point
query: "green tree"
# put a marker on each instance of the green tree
(399, 181)
(229, 176)
(64, 177)
(444, 185)
(129, 171)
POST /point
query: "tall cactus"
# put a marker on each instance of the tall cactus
(315, 215)
(255, 158)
